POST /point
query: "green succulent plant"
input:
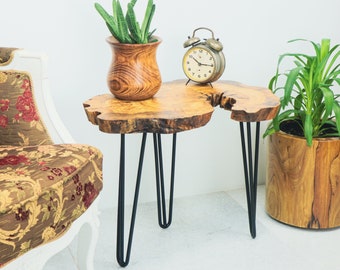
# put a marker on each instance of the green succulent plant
(126, 29)
(307, 90)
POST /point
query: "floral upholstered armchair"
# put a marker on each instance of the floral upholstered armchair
(48, 184)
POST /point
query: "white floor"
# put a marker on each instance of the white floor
(211, 232)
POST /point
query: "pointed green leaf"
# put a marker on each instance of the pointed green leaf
(133, 25)
(122, 25)
(328, 98)
(109, 20)
(269, 131)
(329, 73)
(298, 102)
(150, 36)
(272, 82)
(149, 12)
(291, 79)
(132, 3)
(337, 80)
(325, 45)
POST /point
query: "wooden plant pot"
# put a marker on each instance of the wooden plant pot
(134, 73)
(303, 183)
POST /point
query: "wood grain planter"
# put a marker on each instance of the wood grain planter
(134, 73)
(303, 183)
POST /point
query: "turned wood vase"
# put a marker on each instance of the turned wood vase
(134, 73)
(303, 183)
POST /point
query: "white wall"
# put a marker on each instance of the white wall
(254, 33)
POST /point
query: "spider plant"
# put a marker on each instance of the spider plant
(308, 98)
(126, 29)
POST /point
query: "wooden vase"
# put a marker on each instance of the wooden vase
(134, 73)
(303, 183)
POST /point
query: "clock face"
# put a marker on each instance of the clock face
(199, 64)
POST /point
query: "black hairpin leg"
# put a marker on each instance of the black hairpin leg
(121, 199)
(161, 205)
(250, 172)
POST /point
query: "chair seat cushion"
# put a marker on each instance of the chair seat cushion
(42, 190)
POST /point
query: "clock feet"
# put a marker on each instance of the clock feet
(201, 83)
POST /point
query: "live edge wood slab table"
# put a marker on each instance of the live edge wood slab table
(175, 108)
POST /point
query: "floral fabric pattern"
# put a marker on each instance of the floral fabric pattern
(20, 123)
(44, 187)
(42, 190)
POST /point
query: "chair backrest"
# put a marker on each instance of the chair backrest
(27, 114)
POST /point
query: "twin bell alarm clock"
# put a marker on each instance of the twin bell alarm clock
(204, 61)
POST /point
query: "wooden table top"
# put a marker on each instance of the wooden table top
(179, 107)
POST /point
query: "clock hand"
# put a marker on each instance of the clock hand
(197, 61)
(208, 65)
(200, 64)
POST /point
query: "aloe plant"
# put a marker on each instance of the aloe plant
(307, 91)
(126, 29)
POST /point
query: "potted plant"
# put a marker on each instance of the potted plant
(134, 73)
(303, 168)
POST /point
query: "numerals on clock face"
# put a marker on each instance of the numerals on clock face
(199, 64)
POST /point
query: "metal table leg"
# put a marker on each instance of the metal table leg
(163, 222)
(161, 206)
(121, 201)
(250, 172)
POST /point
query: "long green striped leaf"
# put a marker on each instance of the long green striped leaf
(109, 20)
(126, 29)
(149, 12)
(133, 24)
(122, 25)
